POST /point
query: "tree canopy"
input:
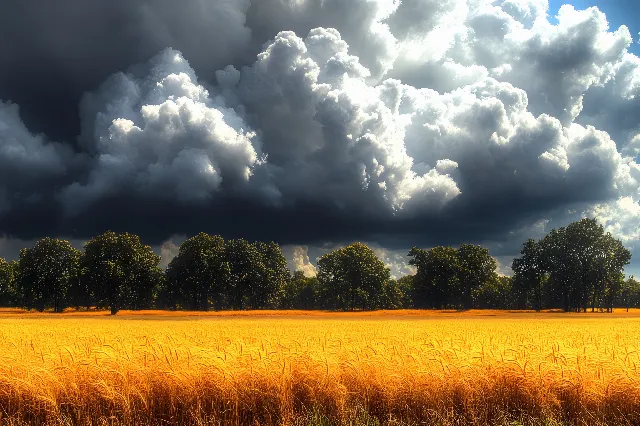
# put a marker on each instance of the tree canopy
(235, 274)
(124, 272)
(352, 277)
(46, 273)
(8, 275)
(574, 268)
(198, 273)
(448, 278)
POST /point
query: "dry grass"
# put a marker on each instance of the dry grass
(352, 369)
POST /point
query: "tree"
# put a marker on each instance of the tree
(276, 277)
(246, 275)
(477, 268)
(198, 273)
(496, 293)
(299, 292)
(615, 259)
(47, 272)
(8, 272)
(124, 272)
(398, 294)
(437, 277)
(586, 244)
(392, 296)
(308, 296)
(556, 262)
(629, 296)
(352, 277)
(572, 268)
(406, 285)
(528, 275)
(81, 292)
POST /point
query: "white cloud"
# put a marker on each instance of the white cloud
(396, 260)
(620, 217)
(298, 259)
(165, 136)
(169, 249)
(347, 141)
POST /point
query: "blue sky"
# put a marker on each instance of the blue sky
(619, 12)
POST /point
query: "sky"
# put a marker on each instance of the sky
(316, 123)
(618, 12)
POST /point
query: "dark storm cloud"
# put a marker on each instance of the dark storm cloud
(51, 52)
(315, 122)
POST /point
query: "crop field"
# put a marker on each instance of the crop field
(276, 368)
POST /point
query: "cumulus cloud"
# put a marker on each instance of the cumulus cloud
(416, 122)
(352, 150)
(76, 44)
(620, 217)
(30, 165)
(162, 135)
(612, 105)
(298, 260)
(360, 22)
(396, 260)
(169, 249)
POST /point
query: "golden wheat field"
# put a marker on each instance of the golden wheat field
(407, 368)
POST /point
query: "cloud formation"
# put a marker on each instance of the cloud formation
(162, 135)
(30, 165)
(298, 260)
(399, 123)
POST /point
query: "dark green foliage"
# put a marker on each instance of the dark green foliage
(300, 292)
(8, 276)
(496, 293)
(572, 268)
(352, 278)
(123, 272)
(529, 276)
(629, 295)
(251, 283)
(397, 294)
(235, 274)
(476, 269)
(407, 286)
(47, 272)
(198, 274)
(437, 282)
(276, 275)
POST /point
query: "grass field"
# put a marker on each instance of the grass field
(302, 368)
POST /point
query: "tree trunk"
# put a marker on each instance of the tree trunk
(114, 309)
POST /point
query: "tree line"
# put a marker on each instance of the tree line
(572, 268)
